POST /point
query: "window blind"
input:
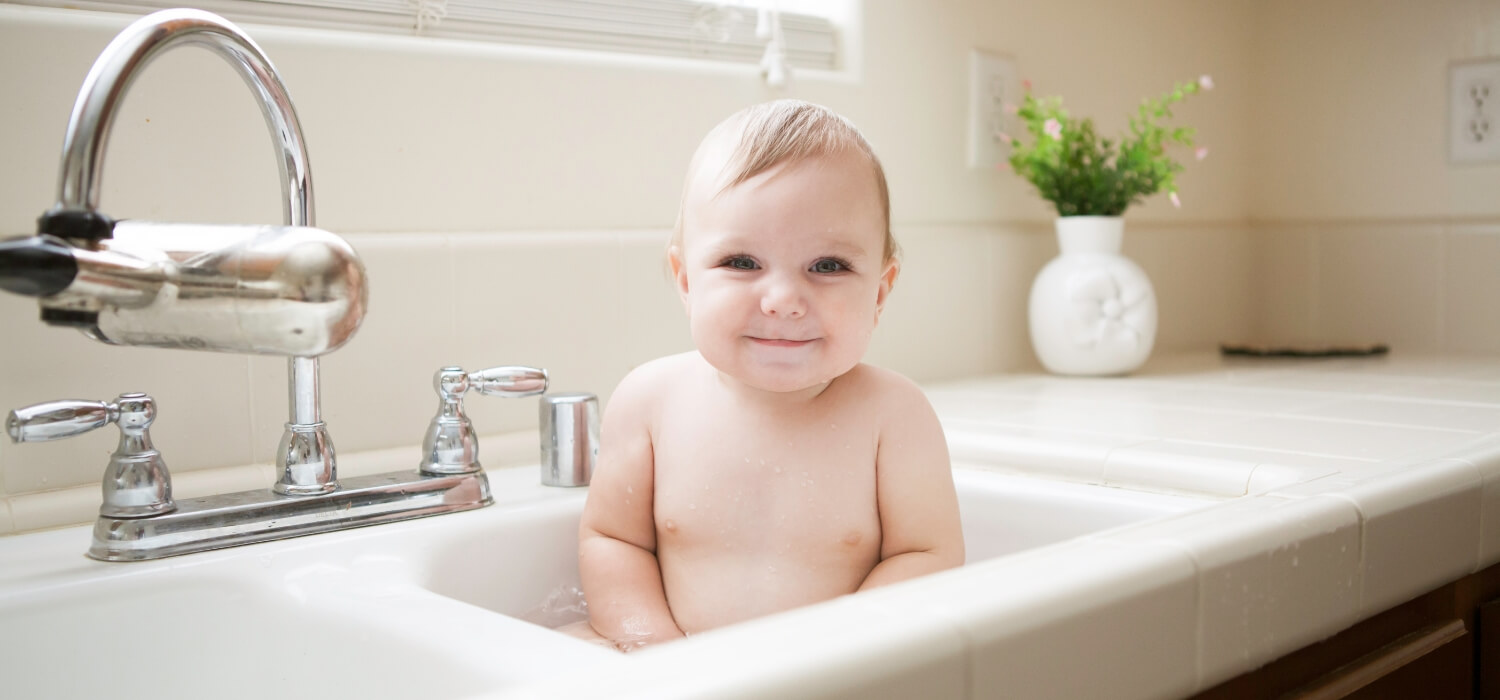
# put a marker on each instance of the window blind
(700, 29)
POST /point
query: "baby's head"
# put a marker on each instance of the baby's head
(782, 252)
(761, 137)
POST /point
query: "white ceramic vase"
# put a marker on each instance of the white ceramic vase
(1092, 311)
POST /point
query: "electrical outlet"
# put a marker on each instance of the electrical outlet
(1474, 111)
(992, 85)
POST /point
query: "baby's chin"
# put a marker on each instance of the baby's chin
(779, 380)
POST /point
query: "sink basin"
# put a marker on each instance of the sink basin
(440, 606)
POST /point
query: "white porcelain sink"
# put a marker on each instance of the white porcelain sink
(399, 610)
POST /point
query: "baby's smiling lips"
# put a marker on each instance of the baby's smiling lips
(779, 342)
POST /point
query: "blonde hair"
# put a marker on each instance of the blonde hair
(788, 131)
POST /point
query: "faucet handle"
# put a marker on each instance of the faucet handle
(56, 420)
(450, 446)
(136, 482)
(511, 382)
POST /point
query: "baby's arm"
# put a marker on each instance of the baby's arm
(617, 537)
(919, 524)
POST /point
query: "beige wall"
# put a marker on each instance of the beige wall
(511, 206)
(1364, 232)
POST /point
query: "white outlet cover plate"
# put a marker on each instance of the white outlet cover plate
(992, 85)
(1474, 111)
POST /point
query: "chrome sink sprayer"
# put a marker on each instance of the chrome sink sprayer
(291, 290)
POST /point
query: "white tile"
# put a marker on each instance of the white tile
(1470, 286)
(49, 509)
(1274, 575)
(7, 523)
(1408, 412)
(543, 300)
(1320, 486)
(1421, 530)
(1202, 276)
(938, 266)
(1018, 253)
(652, 321)
(1333, 438)
(1283, 471)
(1382, 284)
(1285, 265)
(1085, 619)
(1052, 453)
(1239, 399)
(1174, 466)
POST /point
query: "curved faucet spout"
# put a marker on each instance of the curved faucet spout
(76, 214)
(305, 457)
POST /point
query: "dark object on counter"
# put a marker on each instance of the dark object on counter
(1374, 350)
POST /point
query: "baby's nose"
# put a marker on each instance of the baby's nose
(783, 298)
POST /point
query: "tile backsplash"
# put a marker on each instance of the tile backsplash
(1419, 286)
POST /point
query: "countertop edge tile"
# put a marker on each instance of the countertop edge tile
(1421, 530)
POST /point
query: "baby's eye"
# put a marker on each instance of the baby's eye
(739, 262)
(830, 266)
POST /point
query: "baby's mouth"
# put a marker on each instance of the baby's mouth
(779, 342)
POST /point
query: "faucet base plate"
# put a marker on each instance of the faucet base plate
(247, 517)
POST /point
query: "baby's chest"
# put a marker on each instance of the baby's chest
(761, 496)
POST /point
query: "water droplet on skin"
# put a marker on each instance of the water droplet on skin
(692, 506)
(627, 501)
(629, 489)
(778, 470)
(763, 463)
(834, 426)
(771, 569)
(671, 525)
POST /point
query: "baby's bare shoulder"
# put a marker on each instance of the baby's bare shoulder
(648, 384)
(880, 386)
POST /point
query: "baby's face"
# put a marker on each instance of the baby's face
(782, 275)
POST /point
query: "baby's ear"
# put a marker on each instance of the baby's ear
(679, 273)
(887, 281)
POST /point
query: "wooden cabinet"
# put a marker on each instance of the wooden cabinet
(1444, 644)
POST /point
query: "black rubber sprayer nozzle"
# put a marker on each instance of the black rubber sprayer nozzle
(36, 266)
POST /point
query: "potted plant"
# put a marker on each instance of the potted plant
(1093, 311)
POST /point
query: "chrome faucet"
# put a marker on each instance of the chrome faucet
(287, 290)
(293, 291)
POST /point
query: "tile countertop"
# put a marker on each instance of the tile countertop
(1349, 486)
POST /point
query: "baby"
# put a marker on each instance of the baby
(769, 469)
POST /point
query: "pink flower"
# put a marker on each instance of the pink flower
(1176, 202)
(1025, 83)
(1053, 128)
(1200, 152)
(1004, 137)
(1205, 82)
(1010, 108)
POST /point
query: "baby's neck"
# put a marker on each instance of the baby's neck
(772, 399)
